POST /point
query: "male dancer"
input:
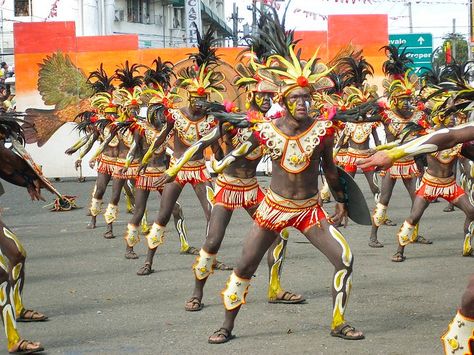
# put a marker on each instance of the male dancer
(402, 111)
(14, 169)
(297, 144)
(187, 125)
(144, 135)
(460, 333)
(438, 181)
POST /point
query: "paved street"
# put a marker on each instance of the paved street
(97, 304)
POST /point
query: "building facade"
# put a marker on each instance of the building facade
(158, 23)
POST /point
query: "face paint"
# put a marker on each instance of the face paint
(291, 107)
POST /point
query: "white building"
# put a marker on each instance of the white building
(158, 23)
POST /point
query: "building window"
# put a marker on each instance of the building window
(22, 7)
(139, 11)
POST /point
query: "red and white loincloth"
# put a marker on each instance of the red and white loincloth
(147, 180)
(277, 212)
(131, 173)
(433, 187)
(232, 192)
(193, 172)
(106, 164)
(403, 169)
(352, 155)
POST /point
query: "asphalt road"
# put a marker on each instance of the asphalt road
(97, 304)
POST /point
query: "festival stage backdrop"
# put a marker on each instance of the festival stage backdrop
(34, 42)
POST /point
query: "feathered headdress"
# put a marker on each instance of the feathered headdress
(103, 102)
(403, 87)
(201, 79)
(397, 63)
(100, 81)
(160, 74)
(129, 76)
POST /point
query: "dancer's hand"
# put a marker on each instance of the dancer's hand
(142, 169)
(92, 163)
(78, 163)
(380, 160)
(164, 179)
(69, 151)
(340, 215)
(35, 190)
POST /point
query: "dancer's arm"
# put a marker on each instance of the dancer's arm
(78, 145)
(439, 140)
(159, 140)
(242, 150)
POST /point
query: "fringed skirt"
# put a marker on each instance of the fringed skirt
(232, 192)
(433, 187)
(276, 213)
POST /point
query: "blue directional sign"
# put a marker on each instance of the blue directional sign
(419, 47)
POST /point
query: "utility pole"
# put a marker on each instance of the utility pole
(235, 25)
(410, 16)
(453, 40)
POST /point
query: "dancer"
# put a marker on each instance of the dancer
(16, 170)
(438, 181)
(460, 332)
(187, 125)
(402, 111)
(297, 143)
(145, 133)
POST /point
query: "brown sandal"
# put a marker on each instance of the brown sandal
(145, 270)
(398, 257)
(343, 332)
(375, 244)
(224, 336)
(422, 240)
(287, 297)
(29, 315)
(219, 265)
(194, 304)
(26, 347)
(130, 254)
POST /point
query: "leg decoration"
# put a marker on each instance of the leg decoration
(380, 214)
(460, 332)
(111, 213)
(279, 252)
(132, 237)
(181, 229)
(16, 273)
(203, 266)
(128, 202)
(7, 305)
(156, 236)
(144, 223)
(467, 246)
(342, 280)
(406, 234)
(96, 207)
(235, 292)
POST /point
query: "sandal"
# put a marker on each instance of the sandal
(145, 270)
(109, 235)
(190, 250)
(29, 315)
(130, 254)
(343, 332)
(26, 347)
(287, 297)
(194, 304)
(219, 265)
(398, 257)
(375, 244)
(223, 334)
(422, 240)
(389, 222)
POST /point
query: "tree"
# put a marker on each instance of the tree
(459, 49)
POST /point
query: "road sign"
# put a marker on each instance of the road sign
(419, 47)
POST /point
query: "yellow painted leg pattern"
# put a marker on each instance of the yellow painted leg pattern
(274, 286)
(467, 245)
(342, 282)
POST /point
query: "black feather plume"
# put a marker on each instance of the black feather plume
(397, 62)
(129, 75)
(160, 74)
(100, 81)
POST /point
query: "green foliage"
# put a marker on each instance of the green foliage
(459, 49)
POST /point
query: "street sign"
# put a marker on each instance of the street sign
(419, 47)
